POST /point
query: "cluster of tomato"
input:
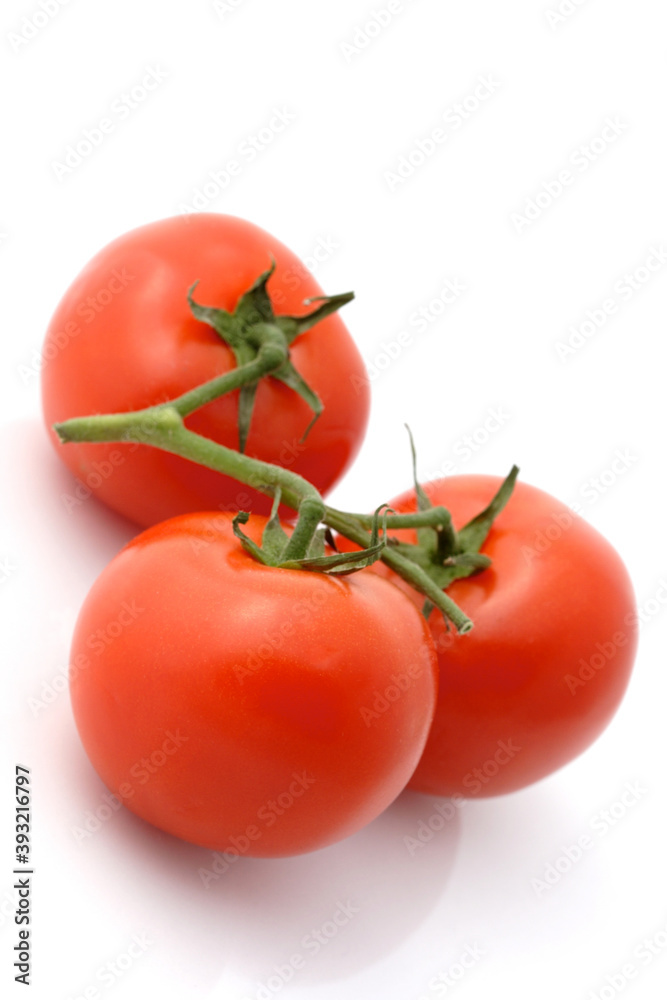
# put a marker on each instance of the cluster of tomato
(299, 703)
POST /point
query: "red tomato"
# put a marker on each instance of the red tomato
(123, 338)
(244, 708)
(549, 658)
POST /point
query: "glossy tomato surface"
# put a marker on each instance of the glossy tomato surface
(123, 338)
(244, 708)
(549, 658)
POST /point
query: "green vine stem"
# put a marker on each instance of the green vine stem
(271, 355)
(162, 427)
(350, 527)
(311, 512)
(434, 517)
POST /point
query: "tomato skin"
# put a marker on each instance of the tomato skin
(549, 658)
(123, 338)
(221, 700)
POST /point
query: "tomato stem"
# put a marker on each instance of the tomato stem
(162, 427)
(271, 355)
(311, 512)
(260, 341)
(347, 525)
(434, 517)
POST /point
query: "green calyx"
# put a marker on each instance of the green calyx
(253, 330)
(443, 553)
(305, 548)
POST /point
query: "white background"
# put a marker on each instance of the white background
(358, 103)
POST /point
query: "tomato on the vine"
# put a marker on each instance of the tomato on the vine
(124, 338)
(549, 658)
(245, 708)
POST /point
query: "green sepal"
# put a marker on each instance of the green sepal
(340, 564)
(247, 395)
(453, 567)
(344, 563)
(427, 538)
(475, 561)
(423, 502)
(275, 541)
(474, 534)
(436, 542)
(288, 374)
(252, 548)
(245, 331)
(254, 306)
(318, 545)
(441, 552)
(292, 326)
(274, 536)
(222, 321)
